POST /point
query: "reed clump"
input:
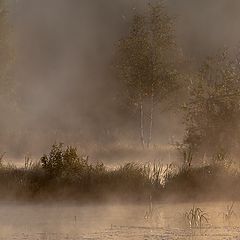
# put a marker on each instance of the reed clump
(196, 217)
(229, 214)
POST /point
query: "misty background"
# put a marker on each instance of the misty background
(64, 87)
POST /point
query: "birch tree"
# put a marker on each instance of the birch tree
(146, 64)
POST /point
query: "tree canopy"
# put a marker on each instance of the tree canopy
(213, 110)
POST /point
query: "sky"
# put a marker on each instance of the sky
(65, 89)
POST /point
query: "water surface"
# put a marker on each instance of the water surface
(68, 222)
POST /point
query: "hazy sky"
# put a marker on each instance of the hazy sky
(64, 50)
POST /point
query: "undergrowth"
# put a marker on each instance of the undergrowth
(64, 174)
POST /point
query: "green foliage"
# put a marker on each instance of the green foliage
(53, 163)
(145, 59)
(63, 162)
(146, 62)
(62, 174)
(213, 110)
(64, 169)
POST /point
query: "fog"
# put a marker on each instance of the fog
(60, 86)
(116, 222)
(65, 89)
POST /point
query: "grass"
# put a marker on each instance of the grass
(149, 213)
(229, 214)
(208, 182)
(196, 217)
(63, 174)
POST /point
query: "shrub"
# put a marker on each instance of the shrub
(64, 163)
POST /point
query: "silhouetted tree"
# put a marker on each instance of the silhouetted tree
(212, 114)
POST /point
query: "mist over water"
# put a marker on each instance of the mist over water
(110, 222)
(65, 88)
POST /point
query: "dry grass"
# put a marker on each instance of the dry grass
(196, 217)
(229, 214)
(64, 174)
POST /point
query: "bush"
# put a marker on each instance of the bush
(63, 162)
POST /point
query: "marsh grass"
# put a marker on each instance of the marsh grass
(149, 213)
(159, 173)
(229, 214)
(63, 173)
(196, 217)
